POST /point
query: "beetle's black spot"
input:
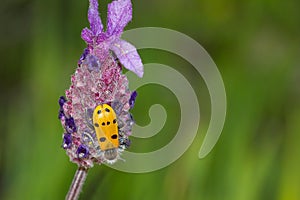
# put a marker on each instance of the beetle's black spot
(108, 123)
(96, 124)
(114, 121)
(102, 139)
(107, 110)
(99, 112)
(103, 123)
(114, 136)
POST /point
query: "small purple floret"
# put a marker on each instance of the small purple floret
(61, 113)
(67, 142)
(82, 151)
(92, 63)
(83, 55)
(70, 125)
(132, 99)
(62, 100)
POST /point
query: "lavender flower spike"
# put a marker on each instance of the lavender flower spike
(98, 86)
(100, 43)
(98, 81)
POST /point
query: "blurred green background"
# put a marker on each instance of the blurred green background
(256, 46)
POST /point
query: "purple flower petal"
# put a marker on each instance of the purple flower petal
(87, 35)
(119, 13)
(128, 56)
(94, 18)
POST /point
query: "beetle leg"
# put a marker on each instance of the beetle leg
(88, 139)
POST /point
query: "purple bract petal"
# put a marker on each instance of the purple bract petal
(128, 56)
(118, 15)
(94, 18)
(87, 35)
